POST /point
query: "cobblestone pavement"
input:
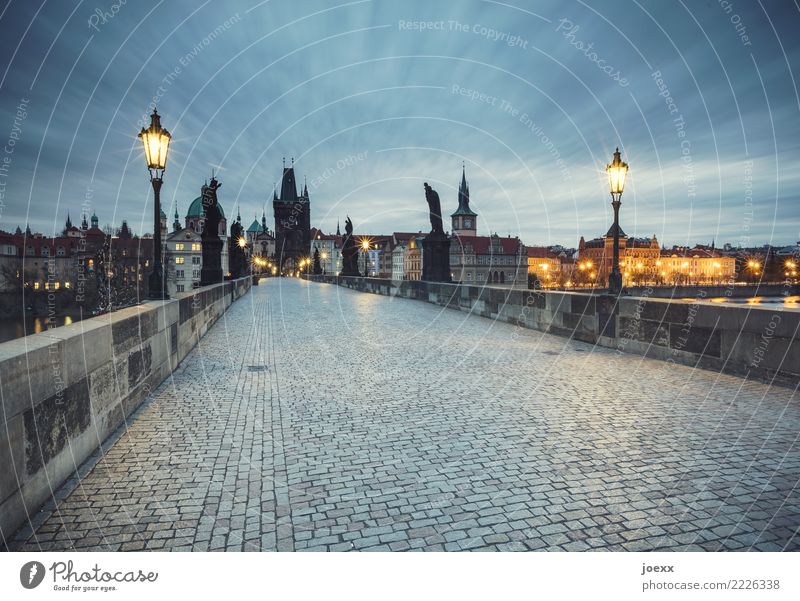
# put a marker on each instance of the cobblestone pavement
(316, 418)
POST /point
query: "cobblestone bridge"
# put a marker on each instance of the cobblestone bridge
(311, 417)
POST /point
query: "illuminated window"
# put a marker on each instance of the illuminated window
(36, 285)
(179, 260)
(196, 246)
(179, 246)
(57, 285)
(66, 285)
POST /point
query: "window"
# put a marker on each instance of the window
(45, 251)
(195, 260)
(196, 246)
(195, 274)
(30, 250)
(60, 251)
(179, 287)
(179, 260)
(179, 273)
(179, 246)
(36, 285)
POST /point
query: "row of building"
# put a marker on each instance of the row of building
(506, 261)
(33, 261)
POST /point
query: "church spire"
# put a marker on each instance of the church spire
(338, 231)
(464, 220)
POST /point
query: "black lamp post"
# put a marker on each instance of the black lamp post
(156, 144)
(617, 171)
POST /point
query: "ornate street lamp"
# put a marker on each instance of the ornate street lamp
(617, 171)
(156, 144)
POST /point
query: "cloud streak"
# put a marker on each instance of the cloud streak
(243, 84)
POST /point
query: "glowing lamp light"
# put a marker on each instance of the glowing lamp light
(155, 140)
(242, 243)
(617, 171)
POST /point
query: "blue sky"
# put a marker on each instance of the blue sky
(372, 98)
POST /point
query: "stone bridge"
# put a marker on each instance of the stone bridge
(313, 417)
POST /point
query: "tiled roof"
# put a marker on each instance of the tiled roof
(541, 252)
(481, 245)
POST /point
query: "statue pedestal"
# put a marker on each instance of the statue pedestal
(436, 258)
(211, 272)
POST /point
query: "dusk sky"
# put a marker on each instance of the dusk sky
(373, 98)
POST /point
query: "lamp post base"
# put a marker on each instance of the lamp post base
(156, 289)
(615, 282)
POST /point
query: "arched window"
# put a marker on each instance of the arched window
(502, 277)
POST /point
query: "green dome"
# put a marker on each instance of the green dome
(196, 208)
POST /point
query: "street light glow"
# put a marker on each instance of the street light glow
(617, 171)
(155, 140)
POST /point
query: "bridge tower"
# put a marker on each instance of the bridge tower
(292, 221)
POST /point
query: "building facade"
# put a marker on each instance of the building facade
(330, 250)
(184, 260)
(489, 260)
(643, 262)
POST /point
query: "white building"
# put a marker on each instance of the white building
(184, 253)
(330, 250)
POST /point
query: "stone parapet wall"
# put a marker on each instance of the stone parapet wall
(756, 341)
(66, 390)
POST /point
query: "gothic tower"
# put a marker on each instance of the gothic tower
(292, 222)
(464, 219)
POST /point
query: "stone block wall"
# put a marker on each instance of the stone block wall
(66, 390)
(755, 341)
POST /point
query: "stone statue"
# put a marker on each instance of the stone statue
(211, 272)
(212, 215)
(436, 245)
(435, 209)
(349, 251)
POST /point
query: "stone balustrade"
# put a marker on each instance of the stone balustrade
(64, 391)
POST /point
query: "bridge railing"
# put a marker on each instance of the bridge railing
(66, 390)
(757, 341)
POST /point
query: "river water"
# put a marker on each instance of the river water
(11, 328)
